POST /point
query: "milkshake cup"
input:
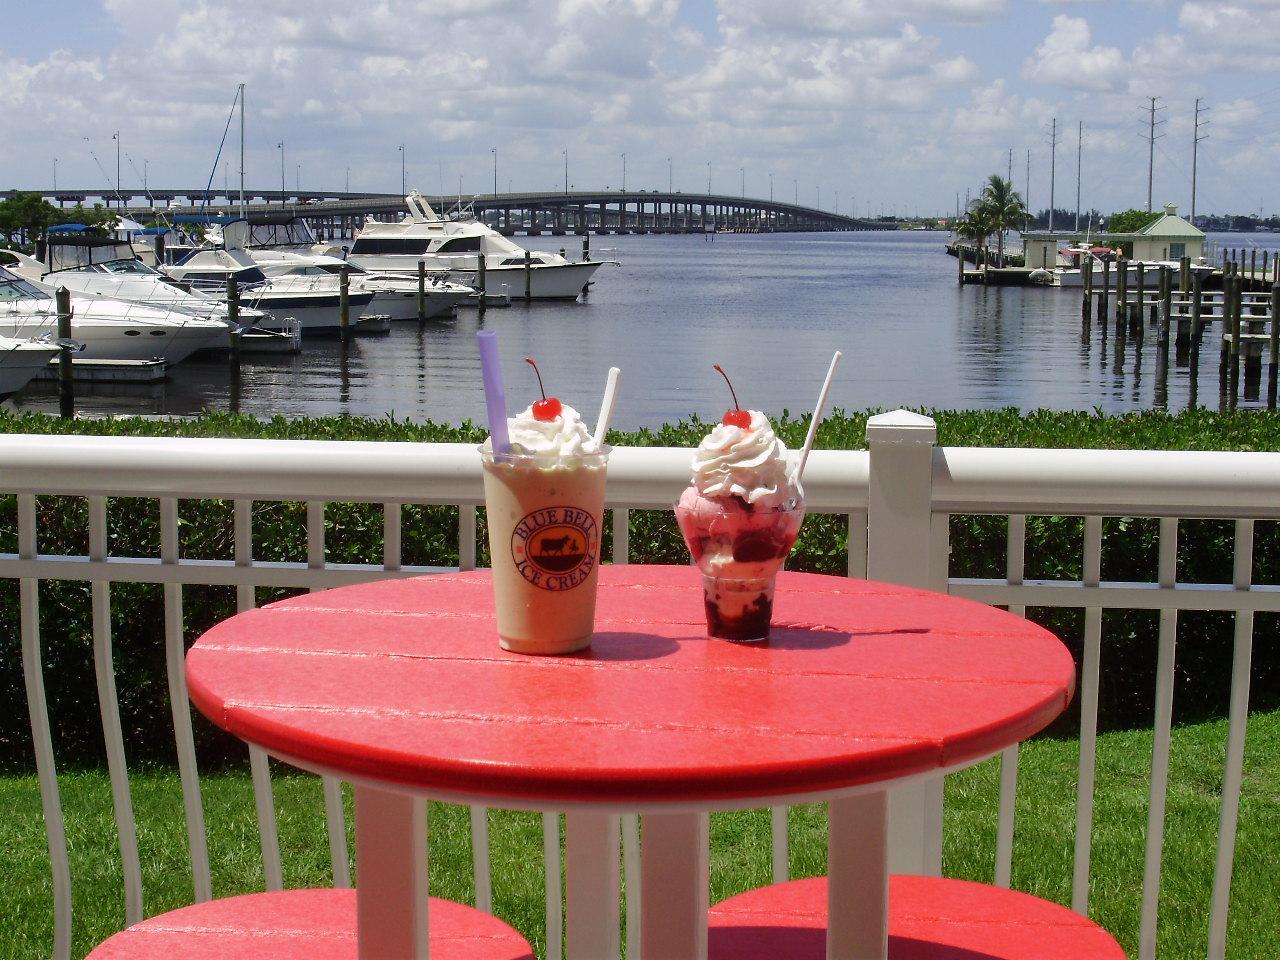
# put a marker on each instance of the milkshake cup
(739, 548)
(545, 514)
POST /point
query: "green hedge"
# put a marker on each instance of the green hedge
(354, 534)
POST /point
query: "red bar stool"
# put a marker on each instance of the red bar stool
(929, 919)
(300, 925)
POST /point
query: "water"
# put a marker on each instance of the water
(770, 309)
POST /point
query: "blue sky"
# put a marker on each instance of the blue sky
(896, 106)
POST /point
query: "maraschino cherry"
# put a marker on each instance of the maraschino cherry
(548, 408)
(737, 417)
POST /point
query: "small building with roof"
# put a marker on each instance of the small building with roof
(1168, 237)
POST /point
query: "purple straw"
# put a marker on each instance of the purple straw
(494, 393)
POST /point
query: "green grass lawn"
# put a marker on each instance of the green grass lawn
(740, 843)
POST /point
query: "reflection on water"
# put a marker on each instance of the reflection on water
(769, 308)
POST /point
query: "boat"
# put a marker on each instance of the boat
(314, 304)
(283, 245)
(454, 246)
(21, 361)
(1070, 272)
(108, 329)
(93, 265)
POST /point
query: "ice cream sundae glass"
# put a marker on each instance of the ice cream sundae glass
(740, 516)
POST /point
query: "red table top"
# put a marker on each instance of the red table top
(403, 682)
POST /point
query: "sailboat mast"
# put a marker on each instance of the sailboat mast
(242, 151)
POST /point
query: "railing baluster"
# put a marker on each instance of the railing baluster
(1238, 712)
(466, 537)
(259, 767)
(480, 858)
(334, 814)
(857, 546)
(41, 736)
(554, 894)
(175, 654)
(631, 875)
(1088, 719)
(621, 535)
(934, 789)
(1165, 660)
(109, 710)
(1015, 569)
(391, 539)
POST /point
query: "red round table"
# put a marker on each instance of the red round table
(400, 686)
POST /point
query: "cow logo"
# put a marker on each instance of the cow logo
(556, 548)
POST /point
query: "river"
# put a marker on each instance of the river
(769, 308)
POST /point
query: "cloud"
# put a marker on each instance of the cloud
(1066, 58)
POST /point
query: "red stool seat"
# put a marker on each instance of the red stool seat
(300, 925)
(929, 919)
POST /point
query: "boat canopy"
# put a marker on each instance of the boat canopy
(293, 232)
(74, 251)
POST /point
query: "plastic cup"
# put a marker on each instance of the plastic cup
(739, 548)
(544, 515)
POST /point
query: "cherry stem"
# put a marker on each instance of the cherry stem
(732, 393)
(529, 361)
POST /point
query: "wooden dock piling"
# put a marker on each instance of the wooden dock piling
(482, 282)
(344, 303)
(233, 319)
(66, 392)
(1184, 276)
(422, 291)
(1273, 354)
(528, 276)
(1122, 290)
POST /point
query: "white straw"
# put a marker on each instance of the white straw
(817, 418)
(606, 405)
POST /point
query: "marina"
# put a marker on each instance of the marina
(764, 306)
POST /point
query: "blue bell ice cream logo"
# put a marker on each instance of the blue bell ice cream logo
(556, 548)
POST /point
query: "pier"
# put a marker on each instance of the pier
(557, 213)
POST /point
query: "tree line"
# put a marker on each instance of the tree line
(26, 216)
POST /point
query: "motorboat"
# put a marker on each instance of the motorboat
(21, 361)
(312, 304)
(395, 296)
(1070, 272)
(108, 329)
(455, 246)
(284, 246)
(93, 265)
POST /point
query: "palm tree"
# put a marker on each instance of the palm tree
(1004, 208)
(976, 227)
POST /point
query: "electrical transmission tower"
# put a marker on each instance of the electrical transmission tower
(1151, 138)
(1079, 156)
(1053, 166)
(1195, 150)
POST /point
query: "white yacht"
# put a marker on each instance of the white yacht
(1070, 271)
(97, 266)
(21, 360)
(108, 329)
(314, 306)
(283, 245)
(455, 246)
(394, 295)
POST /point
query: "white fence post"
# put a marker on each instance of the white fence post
(899, 515)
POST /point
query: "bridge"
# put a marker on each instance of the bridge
(555, 212)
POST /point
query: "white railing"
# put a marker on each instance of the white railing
(898, 499)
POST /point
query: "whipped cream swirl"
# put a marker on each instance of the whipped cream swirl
(749, 463)
(566, 435)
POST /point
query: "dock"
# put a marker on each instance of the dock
(109, 371)
(1246, 307)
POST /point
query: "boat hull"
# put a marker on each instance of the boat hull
(19, 365)
(119, 339)
(547, 281)
(314, 315)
